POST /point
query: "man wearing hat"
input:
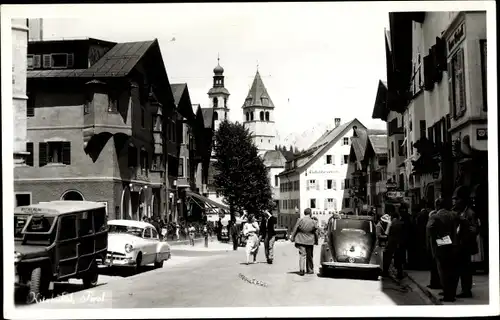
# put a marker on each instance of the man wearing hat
(467, 238)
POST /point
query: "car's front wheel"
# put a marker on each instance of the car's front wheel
(91, 277)
(38, 287)
(138, 263)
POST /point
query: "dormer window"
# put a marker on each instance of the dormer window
(261, 114)
(265, 101)
(58, 60)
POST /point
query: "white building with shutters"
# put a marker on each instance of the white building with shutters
(315, 179)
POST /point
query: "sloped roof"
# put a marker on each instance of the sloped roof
(58, 73)
(208, 114)
(119, 60)
(358, 143)
(378, 143)
(216, 90)
(274, 158)
(308, 157)
(177, 91)
(257, 93)
(380, 106)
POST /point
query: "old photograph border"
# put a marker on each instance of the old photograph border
(127, 10)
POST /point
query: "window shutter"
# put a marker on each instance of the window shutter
(37, 63)
(29, 158)
(436, 71)
(42, 150)
(428, 82)
(326, 184)
(47, 61)
(30, 105)
(334, 184)
(317, 186)
(71, 59)
(451, 89)
(66, 152)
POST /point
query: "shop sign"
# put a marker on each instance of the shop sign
(395, 194)
(482, 134)
(320, 171)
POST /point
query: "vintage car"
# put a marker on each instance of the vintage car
(281, 233)
(350, 243)
(59, 240)
(135, 244)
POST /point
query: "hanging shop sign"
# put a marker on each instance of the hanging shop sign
(482, 134)
(456, 38)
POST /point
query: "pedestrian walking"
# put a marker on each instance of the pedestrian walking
(205, 234)
(251, 231)
(305, 236)
(191, 232)
(391, 251)
(177, 231)
(443, 241)
(233, 233)
(467, 232)
(270, 236)
(435, 281)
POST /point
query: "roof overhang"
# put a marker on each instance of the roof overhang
(380, 110)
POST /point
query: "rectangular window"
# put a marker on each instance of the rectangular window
(311, 184)
(59, 60)
(87, 103)
(132, 156)
(334, 184)
(276, 181)
(346, 141)
(144, 162)
(422, 128)
(47, 61)
(392, 149)
(330, 204)
(29, 158)
(328, 159)
(342, 185)
(312, 203)
(346, 158)
(456, 81)
(484, 73)
(54, 152)
(181, 167)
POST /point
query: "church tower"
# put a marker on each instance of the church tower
(258, 116)
(218, 96)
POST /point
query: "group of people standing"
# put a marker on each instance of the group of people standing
(449, 242)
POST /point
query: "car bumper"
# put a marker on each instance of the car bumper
(347, 265)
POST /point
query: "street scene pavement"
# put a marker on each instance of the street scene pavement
(220, 278)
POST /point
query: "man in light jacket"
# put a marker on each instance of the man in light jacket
(305, 236)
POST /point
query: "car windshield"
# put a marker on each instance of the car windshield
(136, 231)
(351, 226)
(38, 231)
(19, 223)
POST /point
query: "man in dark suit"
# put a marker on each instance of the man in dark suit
(435, 282)
(443, 242)
(269, 235)
(305, 236)
(467, 239)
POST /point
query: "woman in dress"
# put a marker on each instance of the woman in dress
(251, 231)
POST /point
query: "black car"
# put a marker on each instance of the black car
(350, 243)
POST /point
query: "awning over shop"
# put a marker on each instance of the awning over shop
(210, 206)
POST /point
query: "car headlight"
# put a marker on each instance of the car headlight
(17, 257)
(128, 248)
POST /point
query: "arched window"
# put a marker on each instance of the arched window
(251, 116)
(215, 102)
(225, 102)
(72, 195)
(247, 114)
(262, 116)
(216, 115)
(267, 115)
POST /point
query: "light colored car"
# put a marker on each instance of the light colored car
(135, 244)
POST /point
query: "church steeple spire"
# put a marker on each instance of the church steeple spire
(219, 95)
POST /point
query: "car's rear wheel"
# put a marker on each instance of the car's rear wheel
(91, 278)
(159, 264)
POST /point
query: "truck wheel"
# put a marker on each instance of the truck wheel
(38, 286)
(91, 277)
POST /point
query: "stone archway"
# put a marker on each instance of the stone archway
(72, 195)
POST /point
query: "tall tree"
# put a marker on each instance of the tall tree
(241, 176)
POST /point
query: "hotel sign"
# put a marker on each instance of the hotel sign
(320, 171)
(456, 37)
(482, 134)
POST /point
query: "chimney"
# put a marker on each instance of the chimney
(35, 32)
(337, 122)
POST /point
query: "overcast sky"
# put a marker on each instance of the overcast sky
(318, 61)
